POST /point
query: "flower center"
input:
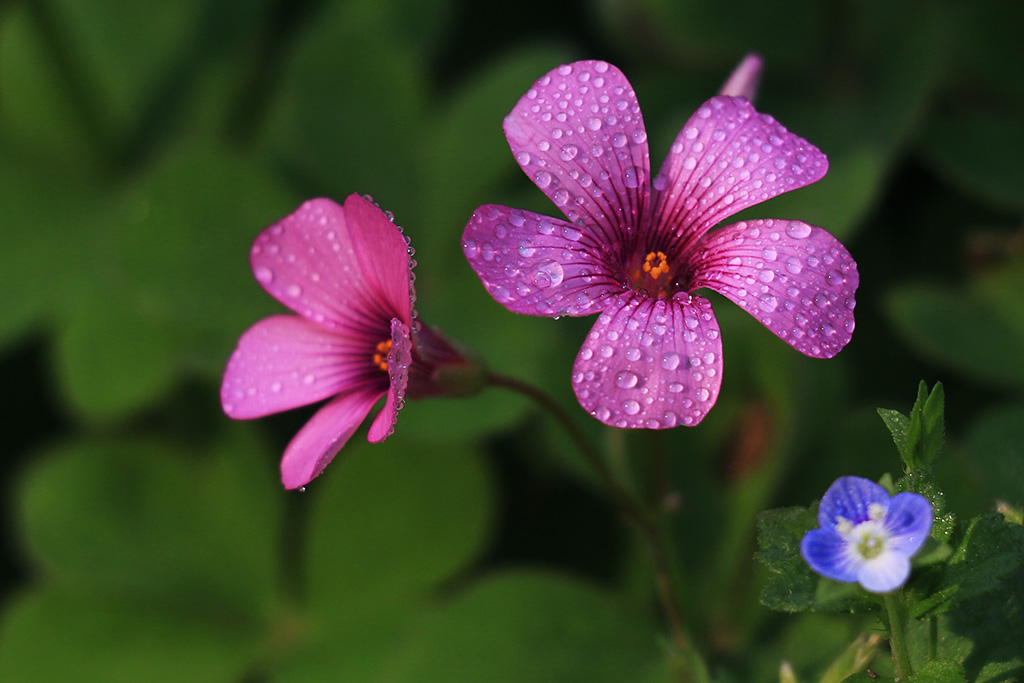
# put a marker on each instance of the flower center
(867, 538)
(380, 355)
(653, 274)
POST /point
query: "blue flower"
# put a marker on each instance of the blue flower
(866, 536)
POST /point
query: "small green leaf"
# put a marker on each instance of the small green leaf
(922, 482)
(919, 437)
(991, 549)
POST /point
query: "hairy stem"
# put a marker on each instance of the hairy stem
(896, 624)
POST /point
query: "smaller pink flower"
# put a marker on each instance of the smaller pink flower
(346, 272)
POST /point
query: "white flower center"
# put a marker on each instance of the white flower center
(866, 539)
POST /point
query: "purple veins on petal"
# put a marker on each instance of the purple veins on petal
(795, 278)
(346, 271)
(650, 363)
(633, 244)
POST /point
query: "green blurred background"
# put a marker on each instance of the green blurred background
(143, 146)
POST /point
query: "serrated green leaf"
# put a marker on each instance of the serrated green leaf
(898, 425)
(528, 626)
(792, 585)
(923, 482)
(939, 671)
(991, 549)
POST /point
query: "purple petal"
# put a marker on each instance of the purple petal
(795, 278)
(284, 362)
(908, 522)
(745, 78)
(884, 573)
(728, 157)
(650, 363)
(579, 135)
(849, 498)
(828, 554)
(341, 268)
(323, 436)
(534, 264)
(399, 360)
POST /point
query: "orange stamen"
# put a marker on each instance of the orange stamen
(656, 264)
(380, 358)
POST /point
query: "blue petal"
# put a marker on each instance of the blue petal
(885, 573)
(849, 497)
(908, 522)
(828, 554)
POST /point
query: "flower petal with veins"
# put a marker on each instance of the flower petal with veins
(651, 363)
(795, 278)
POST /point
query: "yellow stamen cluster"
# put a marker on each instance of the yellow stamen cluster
(380, 358)
(656, 264)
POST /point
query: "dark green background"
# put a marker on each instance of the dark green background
(143, 146)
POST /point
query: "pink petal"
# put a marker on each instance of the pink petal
(343, 271)
(399, 361)
(651, 363)
(383, 254)
(579, 135)
(324, 435)
(745, 78)
(795, 278)
(728, 157)
(284, 362)
(536, 265)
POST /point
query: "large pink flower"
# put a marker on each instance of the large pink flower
(636, 249)
(346, 272)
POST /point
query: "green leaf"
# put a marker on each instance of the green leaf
(390, 521)
(939, 671)
(55, 635)
(994, 447)
(144, 519)
(959, 330)
(922, 482)
(991, 549)
(350, 115)
(528, 626)
(919, 437)
(168, 287)
(792, 586)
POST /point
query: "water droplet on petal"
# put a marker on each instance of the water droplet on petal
(626, 380)
(631, 407)
(670, 361)
(798, 230)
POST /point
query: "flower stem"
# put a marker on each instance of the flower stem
(896, 624)
(643, 522)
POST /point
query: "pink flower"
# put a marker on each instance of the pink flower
(636, 249)
(346, 271)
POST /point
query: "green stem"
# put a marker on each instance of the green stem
(896, 624)
(643, 522)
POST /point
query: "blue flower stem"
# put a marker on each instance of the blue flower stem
(693, 669)
(895, 619)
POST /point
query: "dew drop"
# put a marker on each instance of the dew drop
(631, 407)
(626, 380)
(670, 361)
(569, 152)
(798, 230)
